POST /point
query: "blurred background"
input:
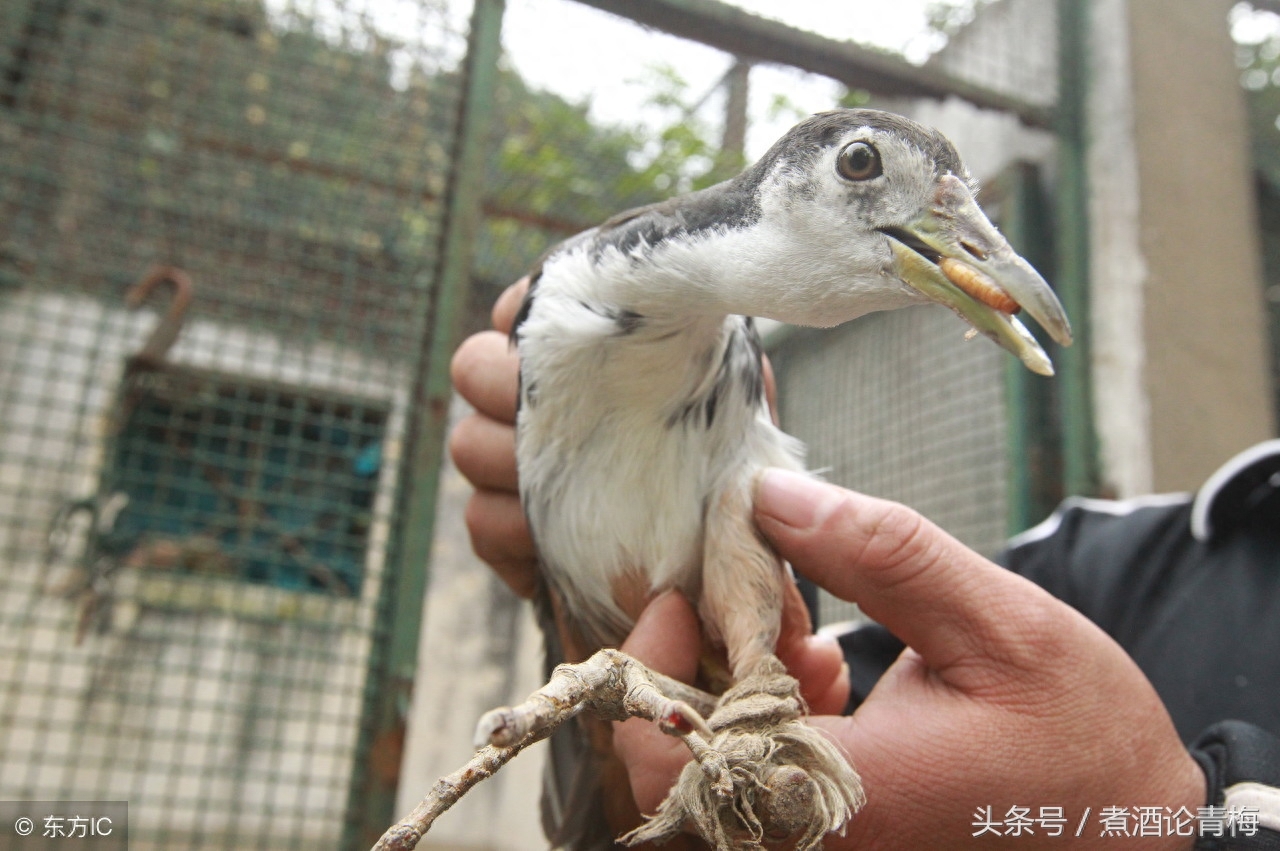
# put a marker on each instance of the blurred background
(239, 240)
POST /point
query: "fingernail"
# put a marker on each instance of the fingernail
(793, 499)
(822, 641)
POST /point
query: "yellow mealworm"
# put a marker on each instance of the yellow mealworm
(978, 285)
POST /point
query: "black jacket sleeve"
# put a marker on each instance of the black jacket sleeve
(1241, 764)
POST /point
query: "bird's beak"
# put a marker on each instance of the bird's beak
(955, 256)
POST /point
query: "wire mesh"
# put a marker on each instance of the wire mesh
(899, 405)
(1010, 47)
(193, 547)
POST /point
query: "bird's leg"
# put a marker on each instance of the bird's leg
(787, 779)
(743, 583)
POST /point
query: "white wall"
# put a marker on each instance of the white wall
(479, 649)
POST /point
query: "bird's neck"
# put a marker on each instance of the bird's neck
(758, 271)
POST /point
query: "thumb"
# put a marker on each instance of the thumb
(666, 637)
(943, 599)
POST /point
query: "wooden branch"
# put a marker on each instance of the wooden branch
(405, 834)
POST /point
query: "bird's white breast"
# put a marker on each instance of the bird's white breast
(618, 453)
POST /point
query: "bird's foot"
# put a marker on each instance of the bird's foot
(759, 771)
(614, 687)
(763, 774)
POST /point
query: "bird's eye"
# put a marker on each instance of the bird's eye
(859, 161)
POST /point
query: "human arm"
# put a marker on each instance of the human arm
(1007, 697)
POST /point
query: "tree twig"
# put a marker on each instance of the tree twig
(405, 834)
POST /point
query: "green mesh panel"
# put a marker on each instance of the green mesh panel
(199, 635)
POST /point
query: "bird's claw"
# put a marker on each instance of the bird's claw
(681, 719)
(716, 768)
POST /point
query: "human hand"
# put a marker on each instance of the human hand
(1006, 696)
(485, 371)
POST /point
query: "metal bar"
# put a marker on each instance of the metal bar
(758, 39)
(1080, 468)
(372, 794)
(44, 21)
(1269, 231)
(1011, 189)
(737, 81)
(1032, 442)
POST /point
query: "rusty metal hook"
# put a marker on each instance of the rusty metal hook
(165, 334)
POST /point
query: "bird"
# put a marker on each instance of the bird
(642, 420)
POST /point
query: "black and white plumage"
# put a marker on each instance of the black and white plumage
(642, 421)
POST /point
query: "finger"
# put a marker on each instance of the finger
(508, 304)
(667, 640)
(796, 624)
(486, 371)
(484, 450)
(500, 536)
(818, 663)
(941, 598)
(666, 637)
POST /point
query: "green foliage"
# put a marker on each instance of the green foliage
(854, 98)
(551, 159)
(682, 157)
(553, 171)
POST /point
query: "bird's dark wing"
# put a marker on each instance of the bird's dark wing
(725, 206)
(525, 306)
(572, 804)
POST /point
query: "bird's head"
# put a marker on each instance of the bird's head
(876, 211)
